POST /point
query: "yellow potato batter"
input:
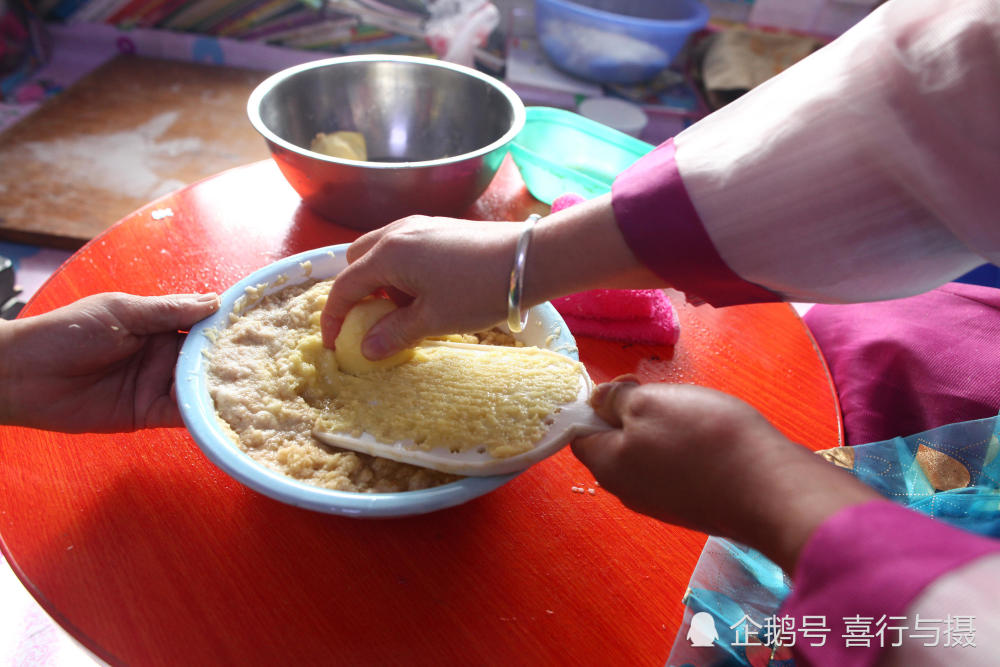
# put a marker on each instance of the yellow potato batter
(272, 380)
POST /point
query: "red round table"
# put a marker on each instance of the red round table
(149, 555)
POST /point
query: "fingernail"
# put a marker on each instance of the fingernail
(330, 327)
(601, 391)
(373, 347)
(199, 297)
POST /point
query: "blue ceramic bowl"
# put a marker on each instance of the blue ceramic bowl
(545, 329)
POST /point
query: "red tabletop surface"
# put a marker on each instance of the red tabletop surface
(149, 555)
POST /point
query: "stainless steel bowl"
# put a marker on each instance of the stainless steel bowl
(435, 132)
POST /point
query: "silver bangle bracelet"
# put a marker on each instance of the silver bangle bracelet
(516, 320)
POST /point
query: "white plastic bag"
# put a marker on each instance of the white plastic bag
(457, 28)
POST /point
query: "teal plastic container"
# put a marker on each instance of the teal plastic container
(560, 152)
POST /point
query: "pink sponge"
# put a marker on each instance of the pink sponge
(633, 316)
(662, 330)
(565, 201)
(614, 304)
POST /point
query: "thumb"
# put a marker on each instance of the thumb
(609, 399)
(600, 450)
(396, 331)
(144, 315)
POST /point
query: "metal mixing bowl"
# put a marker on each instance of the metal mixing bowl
(435, 132)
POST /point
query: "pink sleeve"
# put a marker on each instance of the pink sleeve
(664, 232)
(965, 600)
(866, 171)
(871, 561)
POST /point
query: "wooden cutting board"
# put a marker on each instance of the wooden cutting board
(128, 133)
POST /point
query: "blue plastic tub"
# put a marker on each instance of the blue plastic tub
(616, 41)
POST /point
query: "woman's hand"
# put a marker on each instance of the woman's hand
(453, 276)
(446, 275)
(102, 364)
(699, 458)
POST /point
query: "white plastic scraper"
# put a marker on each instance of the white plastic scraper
(569, 421)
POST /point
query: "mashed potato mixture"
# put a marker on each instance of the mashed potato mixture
(272, 380)
(350, 145)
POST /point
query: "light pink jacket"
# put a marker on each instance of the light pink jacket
(868, 171)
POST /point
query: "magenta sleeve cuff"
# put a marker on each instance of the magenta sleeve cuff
(871, 561)
(664, 232)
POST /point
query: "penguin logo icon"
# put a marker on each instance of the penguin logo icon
(702, 631)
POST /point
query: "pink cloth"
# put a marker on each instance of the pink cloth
(615, 304)
(630, 316)
(565, 201)
(871, 560)
(908, 365)
(659, 327)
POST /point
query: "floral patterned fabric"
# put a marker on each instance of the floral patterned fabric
(951, 473)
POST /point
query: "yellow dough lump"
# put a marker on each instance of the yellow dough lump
(347, 145)
(359, 320)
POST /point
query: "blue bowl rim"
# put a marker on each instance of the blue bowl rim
(199, 416)
(699, 17)
(268, 84)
